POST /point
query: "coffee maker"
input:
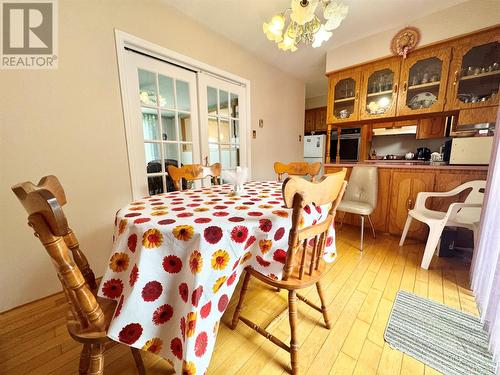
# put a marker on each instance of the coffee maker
(423, 153)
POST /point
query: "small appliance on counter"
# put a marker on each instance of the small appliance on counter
(314, 149)
(471, 150)
(423, 153)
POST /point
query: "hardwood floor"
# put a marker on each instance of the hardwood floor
(360, 288)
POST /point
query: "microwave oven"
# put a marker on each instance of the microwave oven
(471, 150)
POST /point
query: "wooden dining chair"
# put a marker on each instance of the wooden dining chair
(191, 172)
(304, 264)
(297, 168)
(89, 316)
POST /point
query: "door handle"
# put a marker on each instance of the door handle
(395, 88)
(409, 204)
(405, 86)
(456, 78)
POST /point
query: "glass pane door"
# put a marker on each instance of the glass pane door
(343, 98)
(424, 80)
(479, 77)
(223, 123)
(164, 110)
(379, 96)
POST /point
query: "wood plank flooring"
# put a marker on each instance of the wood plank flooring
(360, 289)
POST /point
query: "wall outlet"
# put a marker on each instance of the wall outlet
(254, 134)
(261, 123)
(300, 138)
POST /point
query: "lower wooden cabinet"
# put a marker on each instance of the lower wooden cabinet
(397, 193)
(405, 187)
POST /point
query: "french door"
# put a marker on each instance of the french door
(177, 116)
(223, 122)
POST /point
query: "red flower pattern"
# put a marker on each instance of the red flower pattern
(250, 241)
(239, 234)
(151, 291)
(172, 264)
(184, 291)
(196, 295)
(212, 234)
(200, 345)
(176, 347)
(280, 256)
(262, 262)
(223, 301)
(265, 225)
(130, 333)
(162, 314)
(279, 234)
(134, 275)
(112, 288)
(205, 310)
(119, 306)
(132, 242)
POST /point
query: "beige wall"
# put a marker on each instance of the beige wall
(460, 19)
(68, 122)
(316, 101)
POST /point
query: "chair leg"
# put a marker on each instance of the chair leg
(243, 291)
(362, 232)
(96, 359)
(342, 220)
(324, 308)
(136, 353)
(405, 230)
(371, 224)
(430, 246)
(83, 368)
(294, 345)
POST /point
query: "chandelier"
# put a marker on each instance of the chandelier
(304, 26)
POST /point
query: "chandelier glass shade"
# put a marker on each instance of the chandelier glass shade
(304, 26)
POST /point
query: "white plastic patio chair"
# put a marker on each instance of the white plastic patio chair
(464, 215)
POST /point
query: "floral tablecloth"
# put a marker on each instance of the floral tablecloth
(176, 259)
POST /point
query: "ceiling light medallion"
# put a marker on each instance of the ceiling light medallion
(304, 25)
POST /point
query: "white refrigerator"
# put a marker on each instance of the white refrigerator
(315, 150)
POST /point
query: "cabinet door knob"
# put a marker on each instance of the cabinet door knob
(395, 88)
(456, 78)
(357, 96)
(409, 204)
(405, 86)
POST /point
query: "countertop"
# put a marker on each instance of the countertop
(401, 164)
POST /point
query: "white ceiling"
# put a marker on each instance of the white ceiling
(241, 21)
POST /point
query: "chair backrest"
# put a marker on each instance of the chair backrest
(363, 185)
(297, 193)
(298, 168)
(192, 172)
(43, 203)
(475, 196)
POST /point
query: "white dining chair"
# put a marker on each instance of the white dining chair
(466, 215)
(360, 197)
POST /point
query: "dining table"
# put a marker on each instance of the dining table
(176, 259)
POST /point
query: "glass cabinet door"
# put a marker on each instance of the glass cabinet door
(379, 92)
(476, 71)
(423, 82)
(344, 95)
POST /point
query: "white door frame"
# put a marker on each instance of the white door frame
(123, 40)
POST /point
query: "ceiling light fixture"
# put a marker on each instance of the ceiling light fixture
(304, 25)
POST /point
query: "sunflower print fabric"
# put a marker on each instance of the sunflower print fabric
(176, 260)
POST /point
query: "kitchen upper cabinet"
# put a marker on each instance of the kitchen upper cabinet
(404, 190)
(430, 128)
(380, 89)
(343, 96)
(475, 72)
(315, 120)
(422, 87)
(320, 119)
(309, 120)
